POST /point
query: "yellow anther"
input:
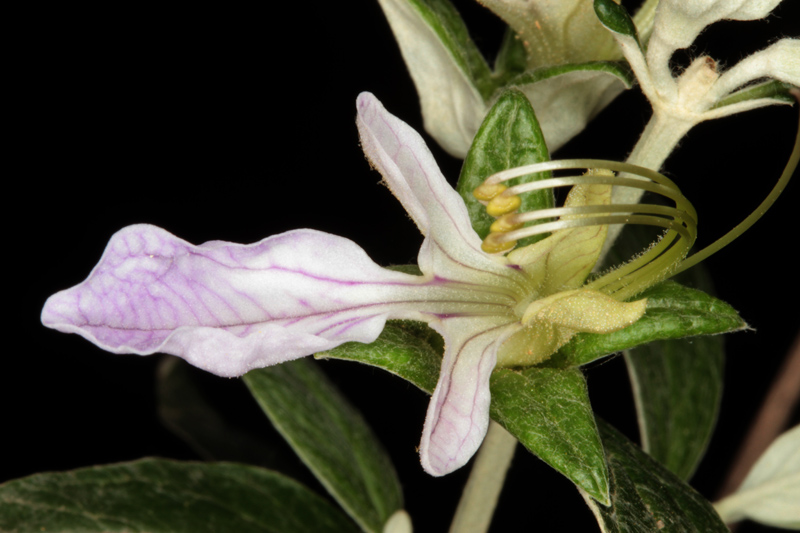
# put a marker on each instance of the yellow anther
(486, 191)
(505, 223)
(493, 245)
(503, 204)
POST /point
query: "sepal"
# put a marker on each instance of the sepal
(673, 312)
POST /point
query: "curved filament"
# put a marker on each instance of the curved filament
(655, 264)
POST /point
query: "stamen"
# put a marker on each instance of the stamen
(502, 204)
(654, 265)
(496, 243)
(663, 259)
(487, 191)
(506, 223)
(786, 175)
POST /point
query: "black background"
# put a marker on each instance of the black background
(237, 123)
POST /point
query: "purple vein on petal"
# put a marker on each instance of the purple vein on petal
(466, 377)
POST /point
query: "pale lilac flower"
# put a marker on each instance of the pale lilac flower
(230, 308)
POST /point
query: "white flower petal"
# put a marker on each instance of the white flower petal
(452, 248)
(458, 415)
(229, 308)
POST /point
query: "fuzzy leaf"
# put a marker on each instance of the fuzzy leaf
(407, 349)
(331, 438)
(509, 137)
(773, 90)
(673, 312)
(548, 411)
(645, 496)
(156, 495)
(511, 60)
(187, 412)
(770, 492)
(615, 17)
(452, 78)
(567, 97)
(615, 69)
(677, 386)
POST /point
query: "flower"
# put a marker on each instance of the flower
(229, 308)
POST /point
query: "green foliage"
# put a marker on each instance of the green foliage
(771, 490)
(548, 411)
(772, 89)
(673, 312)
(571, 71)
(615, 17)
(509, 137)
(677, 384)
(331, 438)
(156, 495)
(444, 20)
(188, 413)
(645, 496)
(407, 349)
(677, 387)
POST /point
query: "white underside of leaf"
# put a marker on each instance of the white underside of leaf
(771, 492)
(452, 107)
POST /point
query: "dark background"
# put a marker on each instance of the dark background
(234, 123)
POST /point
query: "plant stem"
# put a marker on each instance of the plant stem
(662, 133)
(479, 499)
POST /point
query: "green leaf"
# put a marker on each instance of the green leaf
(405, 348)
(677, 387)
(186, 412)
(331, 438)
(677, 384)
(548, 411)
(773, 90)
(444, 19)
(509, 137)
(770, 492)
(615, 17)
(156, 495)
(512, 58)
(619, 70)
(645, 496)
(673, 312)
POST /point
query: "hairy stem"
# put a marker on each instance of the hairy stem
(479, 499)
(658, 139)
